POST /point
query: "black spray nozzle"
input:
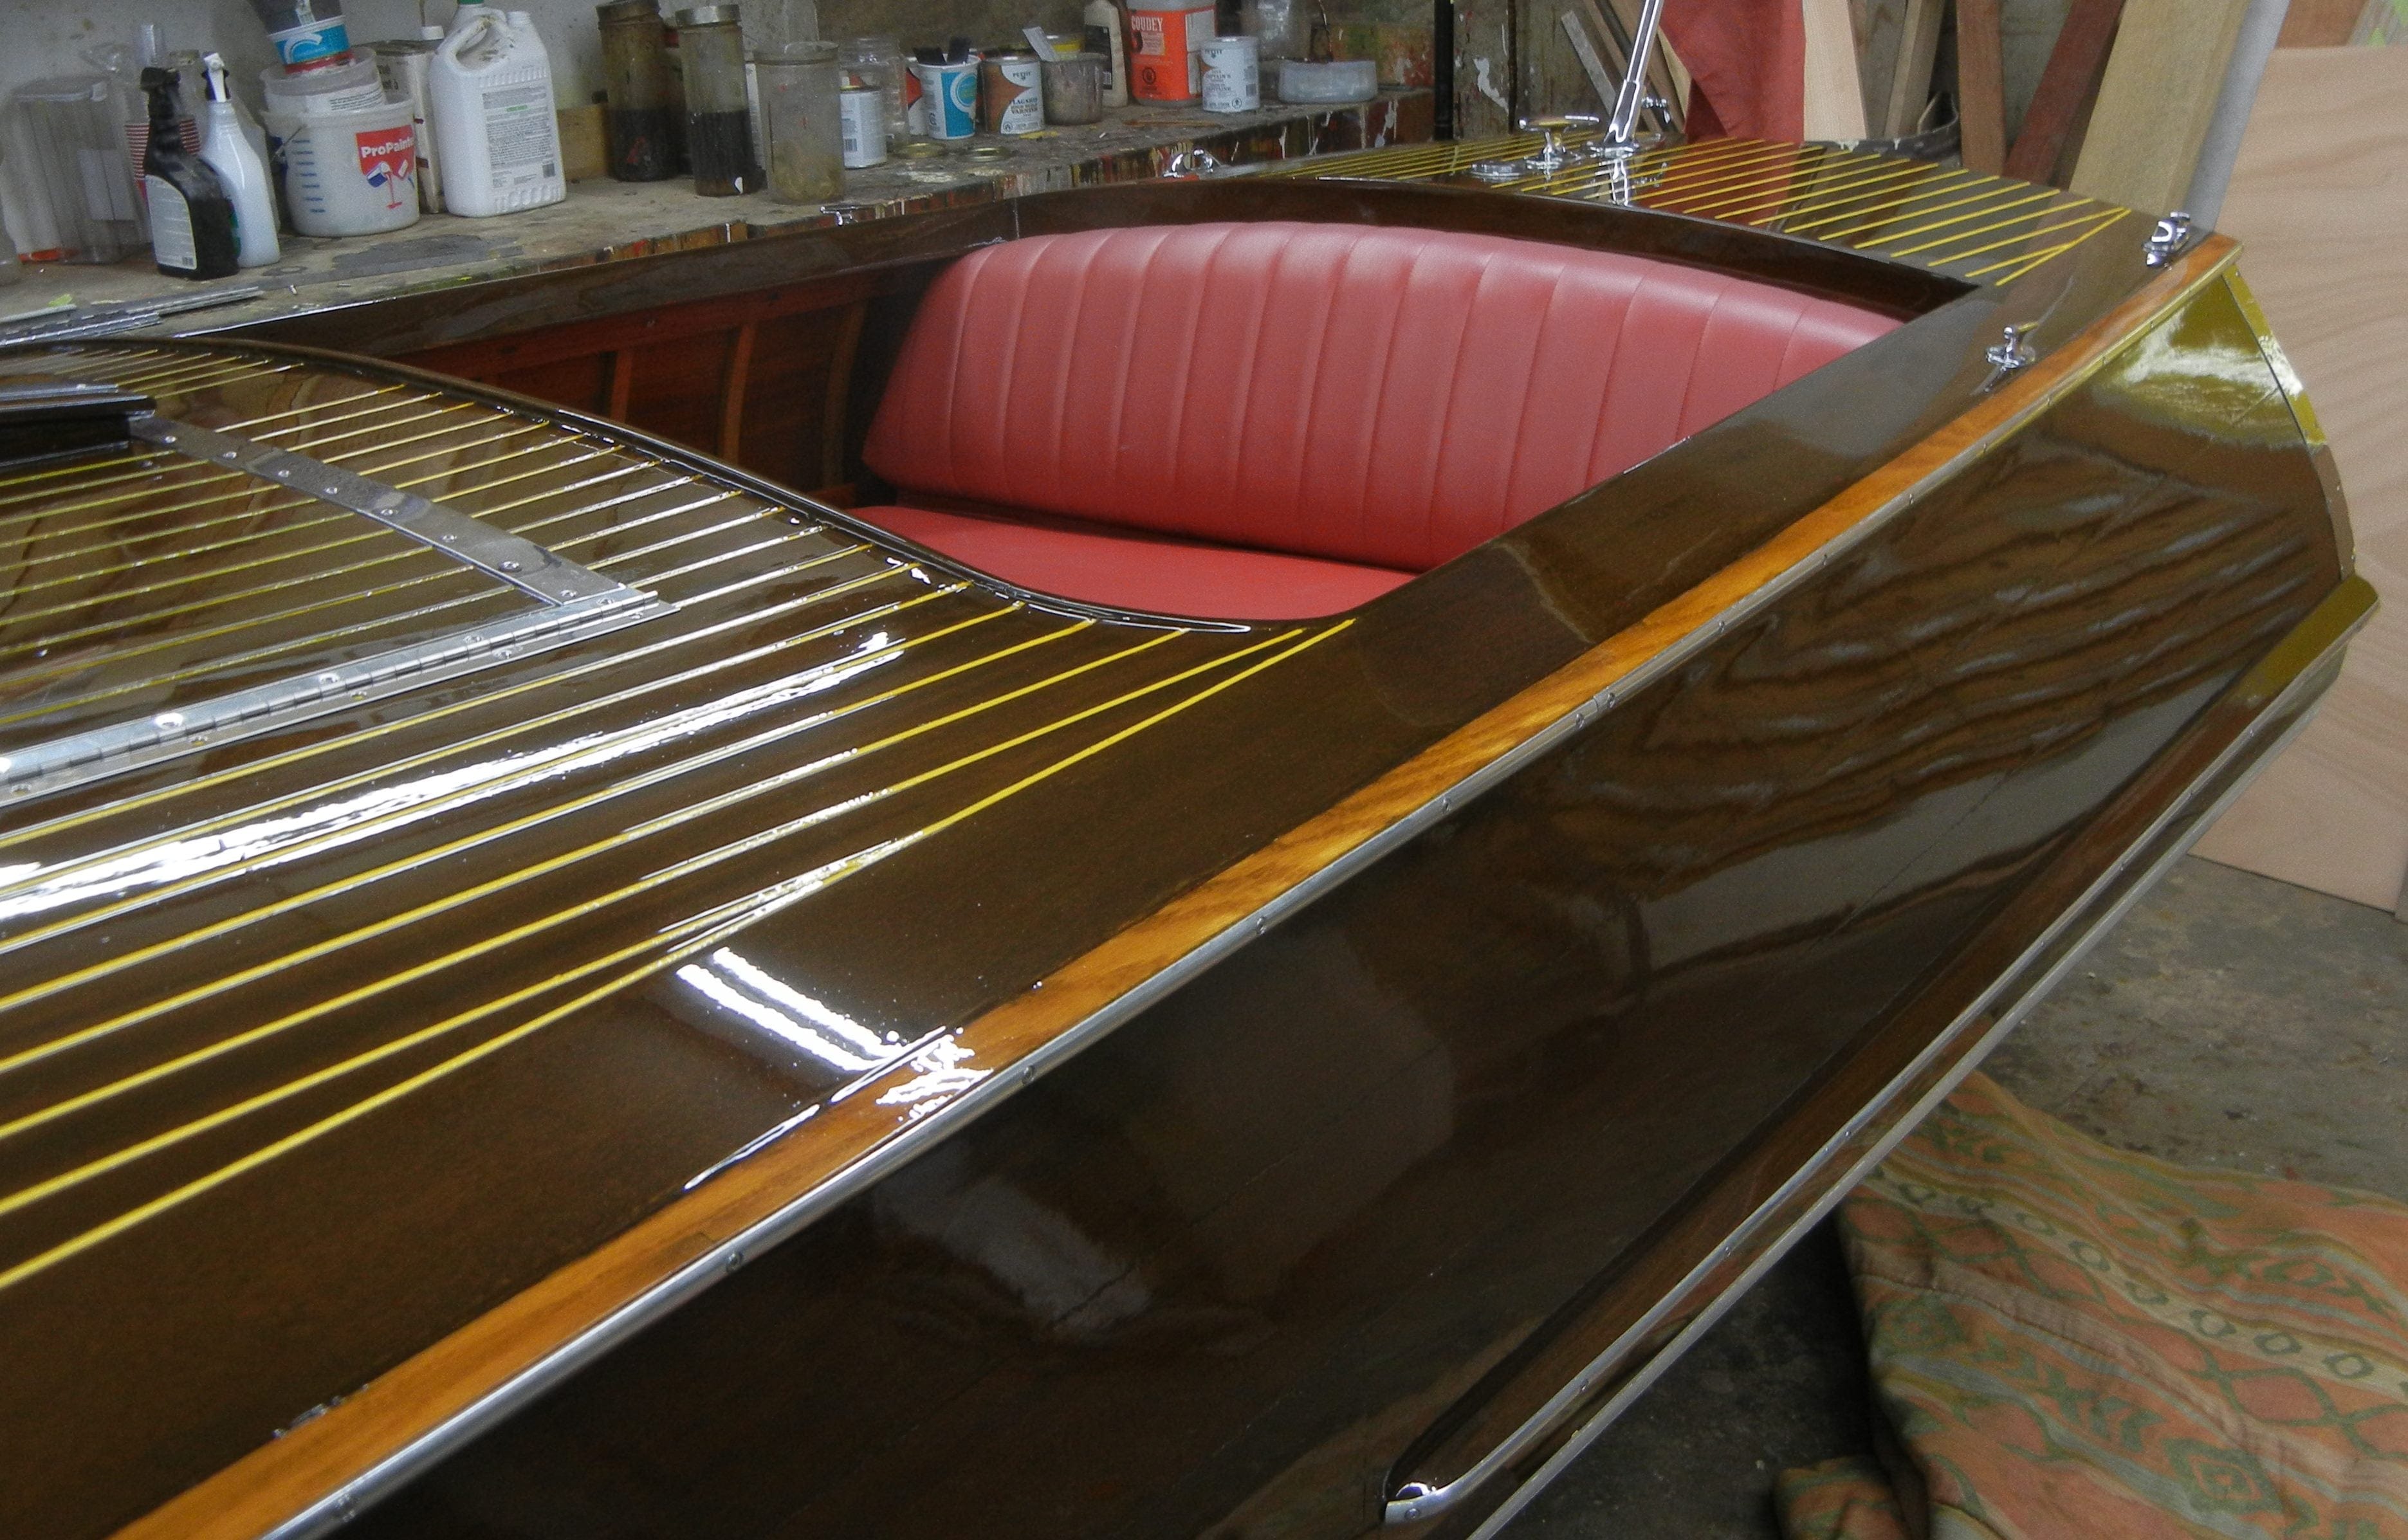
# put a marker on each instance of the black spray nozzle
(160, 85)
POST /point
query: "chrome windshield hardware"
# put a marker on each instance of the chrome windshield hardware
(1619, 139)
(1619, 134)
(1191, 162)
(2011, 352)
(2167, 241)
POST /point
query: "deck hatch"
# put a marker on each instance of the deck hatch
(55, 764)
(160, 607)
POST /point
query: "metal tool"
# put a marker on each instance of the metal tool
(91, 320)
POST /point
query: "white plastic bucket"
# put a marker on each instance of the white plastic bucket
(348, 173)
(353, 87)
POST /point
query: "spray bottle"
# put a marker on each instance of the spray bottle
(192, 219)
(241, 170)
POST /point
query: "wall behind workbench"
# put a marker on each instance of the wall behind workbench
(46, 37)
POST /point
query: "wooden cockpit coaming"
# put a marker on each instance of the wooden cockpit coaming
(527, 1194)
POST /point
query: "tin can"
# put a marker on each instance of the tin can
(860, 119)
(949, 93)
(1012, 93)
(1166, 37)
(1232, 76)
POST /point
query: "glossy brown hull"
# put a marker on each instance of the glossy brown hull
(1342, 1054)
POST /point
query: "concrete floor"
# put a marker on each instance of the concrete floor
(2230, 1020)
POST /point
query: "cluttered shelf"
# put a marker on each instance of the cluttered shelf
(603, 220)
(147, 194)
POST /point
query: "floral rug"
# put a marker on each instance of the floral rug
(2071, 1341)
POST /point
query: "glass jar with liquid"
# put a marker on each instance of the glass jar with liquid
(644, 127)
(798, 103)
(717, 123)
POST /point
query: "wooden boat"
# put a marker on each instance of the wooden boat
(1474, 760)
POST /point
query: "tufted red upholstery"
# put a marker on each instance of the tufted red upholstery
(1386, 398)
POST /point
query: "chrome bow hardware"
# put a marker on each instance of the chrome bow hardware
(1620, 139)
(1621, 134)
(1191, 162)
(1552, 154)
(2010, 353)
(2172, 233)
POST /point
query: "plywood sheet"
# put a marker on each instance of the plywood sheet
(2319, 23)
(1981, 85)
(2157, 101)
(1834, 97)
(2319, 200)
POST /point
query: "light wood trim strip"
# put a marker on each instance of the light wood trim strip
(678, 1250)
(623, 383)
(731, 391)
(1981, 86)
(834, 415)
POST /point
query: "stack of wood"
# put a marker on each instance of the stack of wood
(2122, 111)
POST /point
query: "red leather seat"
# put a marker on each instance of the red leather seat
(1132, 571)
(1382, 399)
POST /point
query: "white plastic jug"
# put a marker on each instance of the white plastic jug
(489, 98)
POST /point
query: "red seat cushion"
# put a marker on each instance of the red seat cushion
(1132, 571)
(1383, 398)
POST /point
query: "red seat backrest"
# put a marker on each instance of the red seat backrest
(1386, 396)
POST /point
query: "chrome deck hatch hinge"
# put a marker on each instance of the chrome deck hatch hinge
(2166, 242)
(2011, 353)
(512, 558)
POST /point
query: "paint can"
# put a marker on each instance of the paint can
(1012, 93)
(949, 94)
(860, 119)
(306, 35)
(1233, 80)
(1167, 38)
(1074, 88)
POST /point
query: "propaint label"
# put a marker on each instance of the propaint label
(389, 161)
(171, 226)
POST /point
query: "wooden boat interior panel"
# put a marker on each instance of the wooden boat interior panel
(783, 376)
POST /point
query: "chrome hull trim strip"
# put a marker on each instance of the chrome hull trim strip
(58, 764)
(472, 542)
(2021, 988)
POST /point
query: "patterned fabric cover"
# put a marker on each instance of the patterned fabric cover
(2071, 1341)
